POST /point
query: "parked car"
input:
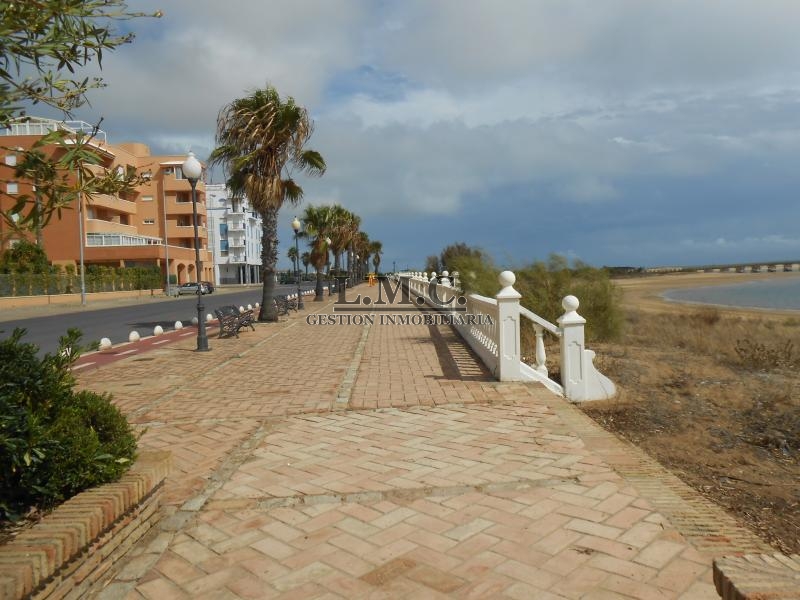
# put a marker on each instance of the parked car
(209, 287)
(191, 288)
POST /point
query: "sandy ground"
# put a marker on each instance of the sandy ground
(645, 292)
(714, 396)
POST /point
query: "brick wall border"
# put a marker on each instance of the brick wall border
(758, 576)
(72, 547)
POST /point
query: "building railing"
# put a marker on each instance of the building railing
(40, 127)
(119, 239)
(491, 327)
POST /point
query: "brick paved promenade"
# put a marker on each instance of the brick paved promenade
(383, 462)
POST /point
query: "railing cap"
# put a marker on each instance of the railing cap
(507, 279)
(570, 316)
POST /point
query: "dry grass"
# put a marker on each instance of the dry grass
(716, 398)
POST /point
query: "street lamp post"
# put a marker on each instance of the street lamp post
(296, 226)
(192, 170)
(328, 264)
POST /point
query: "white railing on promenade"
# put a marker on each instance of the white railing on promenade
(491, 327)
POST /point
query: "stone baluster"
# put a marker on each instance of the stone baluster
(541, 356)
(445, 279)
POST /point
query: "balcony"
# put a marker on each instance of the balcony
(101, 226)
(236, 242)
(114, 239)
(184, 208)
(182, 185)
(112, 203)
(185, 231)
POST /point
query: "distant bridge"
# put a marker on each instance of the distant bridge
(752, 267)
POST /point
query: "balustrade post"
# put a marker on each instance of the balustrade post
(508, 344)
(573, 357)
(541, 356)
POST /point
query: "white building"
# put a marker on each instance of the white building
(234, 235)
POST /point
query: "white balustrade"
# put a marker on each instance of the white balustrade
(491, 327)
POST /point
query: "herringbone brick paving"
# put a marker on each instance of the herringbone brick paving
(435, 482)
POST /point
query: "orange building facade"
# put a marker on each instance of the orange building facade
(150, 226)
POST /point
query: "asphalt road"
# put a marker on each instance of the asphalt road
(117, 322)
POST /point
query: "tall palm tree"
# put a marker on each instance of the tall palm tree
(376, 249)
(305, 258)
(260, 139)
(361, 248)
(351, 227)
(340, 233)
(319, 223)
(292, 254)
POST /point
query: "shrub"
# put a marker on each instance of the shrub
(54, 441)
(762, 357)
(544, 285)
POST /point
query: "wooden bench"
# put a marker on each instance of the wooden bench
(283, 304)
(231, 320)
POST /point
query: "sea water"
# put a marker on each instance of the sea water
(772, 293)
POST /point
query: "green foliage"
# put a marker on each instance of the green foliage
(24, 257)
(432, 264)
(543, 287)
(54, 441)
(98, 279)
(454, 252)
(44, 42)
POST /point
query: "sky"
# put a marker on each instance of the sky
(617, 132)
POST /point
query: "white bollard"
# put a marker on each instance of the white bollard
(105, 344)
(258, 305)
(209, 317)
(134, 336)
(178, 325)
(194, 321)
(249, 307)
(241, 309)
(158, 330)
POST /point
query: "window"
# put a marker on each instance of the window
(11, 160)
(223, 245)
(149, 221)
(168, 170)
(223, 230)
(179, 173)
(12, 187)
(183, 197)
(147, 198)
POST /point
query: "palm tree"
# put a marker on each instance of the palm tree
(260, 139)
(340, 233)
(361, 248)
(292, 254)
(351, 226)
(319, 224)
(376, 249)
(305, 258)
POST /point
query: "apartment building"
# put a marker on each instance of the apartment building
(150, 225)
(234, 230)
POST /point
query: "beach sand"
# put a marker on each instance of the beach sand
(645, 292)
